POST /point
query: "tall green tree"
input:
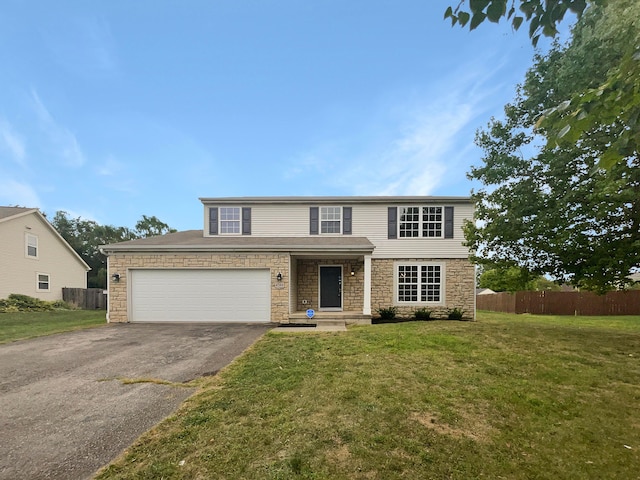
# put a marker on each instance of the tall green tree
(152, 226)
(510, 279)
(86, 237)
(542, 16)
(548, 207)
(613, 103)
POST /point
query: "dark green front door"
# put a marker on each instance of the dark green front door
(331, 287)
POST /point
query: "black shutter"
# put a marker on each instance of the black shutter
(246, 220)
(313, 220)
(393, 222)
(448, 222)
(346, 220)
(213, 221)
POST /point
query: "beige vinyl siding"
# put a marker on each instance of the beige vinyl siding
(18, 273)
(280, 220)
(369, 221)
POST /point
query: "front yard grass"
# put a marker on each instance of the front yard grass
(514, 397)
(21, 325)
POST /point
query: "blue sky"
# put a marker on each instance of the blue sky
(114, 109)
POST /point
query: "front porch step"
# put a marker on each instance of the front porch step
(330, 319)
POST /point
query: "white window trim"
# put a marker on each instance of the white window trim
(420, 223)
(339, 220)
(220, 221)
(26, 246)
(38, 289)
(443, 285)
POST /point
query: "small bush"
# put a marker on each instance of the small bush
(422, 314)
(16, 302)
(62, 305)
(26, 303)
(455, 313)
(388, 313)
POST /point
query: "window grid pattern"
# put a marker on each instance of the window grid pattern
(43, 281)
(432, 221)
(32, 246)
(430, 283)
(330, 218)
(408, 283)
(409, 222)
(419, 283)
(230, 220)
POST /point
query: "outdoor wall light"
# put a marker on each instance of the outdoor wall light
(279, 277)
(353, 271)
(115, 277)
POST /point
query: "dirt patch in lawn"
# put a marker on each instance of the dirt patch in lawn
(471, 426)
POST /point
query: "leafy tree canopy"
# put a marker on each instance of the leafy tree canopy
(613, 103)
(509, 279)
(547, 207)
(514, 279)
(86, 236)
(543, 16)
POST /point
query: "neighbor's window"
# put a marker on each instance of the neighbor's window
(31, 245)
(330, 218)
(419, 283)
(230, 220)
(42, 283)
(420, 222)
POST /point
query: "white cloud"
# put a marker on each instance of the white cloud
(414, 144)
(63, 141)
(12, 142)
(13, 192)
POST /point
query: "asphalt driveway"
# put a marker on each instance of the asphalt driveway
(63, 413)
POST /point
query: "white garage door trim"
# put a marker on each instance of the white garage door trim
(200, 295)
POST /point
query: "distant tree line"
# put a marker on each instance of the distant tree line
(86, 236)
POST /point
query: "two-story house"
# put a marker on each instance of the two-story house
(34, 259)
(274, 258)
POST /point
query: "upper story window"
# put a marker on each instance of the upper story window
(31, 245)
(326, 220)
(230, 220)
(330, 219)
(416, 222)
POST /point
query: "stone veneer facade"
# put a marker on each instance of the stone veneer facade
(459, 280)
(459, 286)
(122, 262)
(352, 286)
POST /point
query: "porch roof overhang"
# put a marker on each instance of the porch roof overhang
(195, 241)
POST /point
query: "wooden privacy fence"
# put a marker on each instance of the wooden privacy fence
(562, 303)
(86, 298)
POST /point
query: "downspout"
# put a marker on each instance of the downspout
(101, 250)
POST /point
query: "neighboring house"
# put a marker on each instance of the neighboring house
(273, 258)
(34, 259)
(484, 291)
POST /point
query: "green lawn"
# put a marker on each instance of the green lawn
(17, 326)
(514, 397)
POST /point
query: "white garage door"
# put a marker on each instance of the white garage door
(200, 295)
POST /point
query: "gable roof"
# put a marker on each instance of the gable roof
(193, 240)
(10, 213)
